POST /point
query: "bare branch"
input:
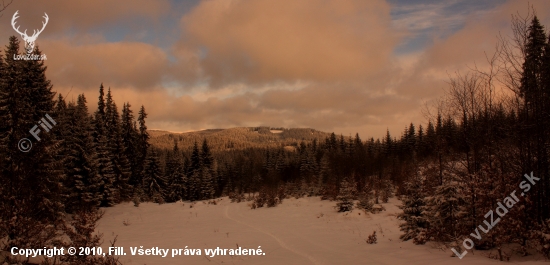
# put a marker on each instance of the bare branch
(5, 5)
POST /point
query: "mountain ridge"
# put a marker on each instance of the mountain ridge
(237, 137)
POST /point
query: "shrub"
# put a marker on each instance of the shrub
(236, 197)
(365, 203)
(372, 238)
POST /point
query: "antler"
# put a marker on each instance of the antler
(35, 33)
(43, 26)
(13, 24)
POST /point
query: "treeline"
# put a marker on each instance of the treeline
(486, 183)
(315, 168)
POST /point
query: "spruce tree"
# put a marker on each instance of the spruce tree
(195, 158)
(446, 208)
(83, 179)
(532, 67)
(206, 155)
(177, 181)
(413, 207)
(154, 183)
(143, 142)
(366, 199)
(99, 115)
(107, 191)
(534, 125)
(130, 141)
(207, 172)
(345, 196)
(31, 205)
(116, 147)
(142, 146)
(386, 190)
(431, 139)
(207, 188)
(62, 132)
(60, 107)
(193, 189)
(195, 174)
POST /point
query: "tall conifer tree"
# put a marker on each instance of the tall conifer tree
(83, 178)
(31, 205)
(121, 165)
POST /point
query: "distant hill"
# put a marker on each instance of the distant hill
(237, 138)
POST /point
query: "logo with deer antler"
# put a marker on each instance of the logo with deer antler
(29, 40)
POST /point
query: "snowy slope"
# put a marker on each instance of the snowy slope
(299, 231)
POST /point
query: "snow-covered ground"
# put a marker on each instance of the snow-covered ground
(299, 231)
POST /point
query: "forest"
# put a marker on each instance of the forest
(488, 132)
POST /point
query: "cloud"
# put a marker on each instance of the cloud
(470, 46)
(340, 51)
(139, 65)
(329, 65)
(81, 16)
(270, 40)
(425, 74)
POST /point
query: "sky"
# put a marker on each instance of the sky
(343, 66)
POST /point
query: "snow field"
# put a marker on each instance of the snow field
(298, 231)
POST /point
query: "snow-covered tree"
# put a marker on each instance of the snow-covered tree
(413, 208)
(153, 178)
(386, 190)
(446, 208)
(108, 192)
(82, 173)
(116, 146)
(345, 196)
(177, 181)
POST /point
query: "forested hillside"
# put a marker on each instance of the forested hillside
(238, 138)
